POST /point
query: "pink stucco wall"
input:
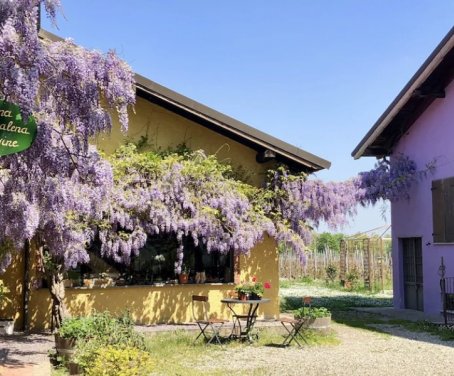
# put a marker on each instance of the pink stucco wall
(431, 137)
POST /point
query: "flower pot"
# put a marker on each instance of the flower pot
(318, 323)
(65, 346)
(7, 326)
(254, 296)
(74, 369)
(243, 296)
(183, 278)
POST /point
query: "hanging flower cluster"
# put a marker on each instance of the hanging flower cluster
(59, 185)
(301, 204)
(184, 195)
(390, 179)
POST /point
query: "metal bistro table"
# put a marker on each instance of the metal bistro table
(244, 331)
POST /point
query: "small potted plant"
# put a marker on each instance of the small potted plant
(183, 277)
(243, 290)
(314, 317)
(258, 288)
(252, 290)
(6, 323)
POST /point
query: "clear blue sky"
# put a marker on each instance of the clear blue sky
(316, 74)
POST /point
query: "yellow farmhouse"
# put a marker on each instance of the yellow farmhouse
(148, 288)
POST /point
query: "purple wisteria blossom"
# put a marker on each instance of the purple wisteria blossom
(58, 185)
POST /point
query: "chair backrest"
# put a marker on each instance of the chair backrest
(200, 307)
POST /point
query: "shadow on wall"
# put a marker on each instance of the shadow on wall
(168, 304)
(14, 282)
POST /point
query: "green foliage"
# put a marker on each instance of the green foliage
(327, 240)
(332, 297)
(99, 331)
(76, 327)
(331, 272)
(254, 287)
(120, 361)
(353, 277)
(312, 312)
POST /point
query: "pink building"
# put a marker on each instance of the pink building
(420, 124)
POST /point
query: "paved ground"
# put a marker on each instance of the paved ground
(22, 355)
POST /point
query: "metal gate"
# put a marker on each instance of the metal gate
(412, 273)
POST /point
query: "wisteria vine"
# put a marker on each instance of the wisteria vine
(56, 188)
(63, 192)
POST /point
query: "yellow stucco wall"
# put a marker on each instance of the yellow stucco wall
(12, 279)
(166, 304)
(165, 129)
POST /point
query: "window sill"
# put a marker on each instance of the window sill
(158, 286)
(447, 243)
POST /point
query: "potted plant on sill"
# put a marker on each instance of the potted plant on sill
(6, 323)
(183, 277)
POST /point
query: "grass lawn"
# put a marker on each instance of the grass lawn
(330, 296)
(176, 354)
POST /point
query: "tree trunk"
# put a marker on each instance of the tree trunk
(57, 292)
(53, 271)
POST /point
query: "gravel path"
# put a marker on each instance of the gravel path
(361, 352)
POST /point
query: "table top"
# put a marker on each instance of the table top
(250, 301)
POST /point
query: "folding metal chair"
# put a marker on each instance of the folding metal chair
(208, 326)
(295, 327)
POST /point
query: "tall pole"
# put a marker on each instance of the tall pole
(38, 21)
(26, 287)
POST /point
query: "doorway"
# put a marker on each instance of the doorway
(412, 273)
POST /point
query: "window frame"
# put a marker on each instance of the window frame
(443, 210)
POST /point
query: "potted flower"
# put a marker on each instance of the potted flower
(314, 317)
(183, 277)
(252, 290)
(158, 260)
(258, 288)
(243, 290)
(6, 323)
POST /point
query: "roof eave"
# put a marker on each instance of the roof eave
(231, 125)
(224, 122)
(405, 94)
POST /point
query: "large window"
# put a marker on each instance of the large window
(443, 210)
(155, 265)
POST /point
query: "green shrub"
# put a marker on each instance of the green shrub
(331, 272)
(98, 331)
(120, 361)
(76, 327)
(312, 313)
(353, 277)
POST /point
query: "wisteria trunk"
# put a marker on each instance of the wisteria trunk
(53, 272)
(57, 293)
